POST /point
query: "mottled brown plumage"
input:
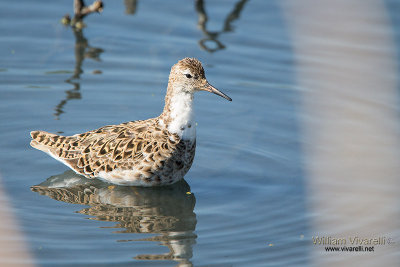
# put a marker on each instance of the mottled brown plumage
(151, 152)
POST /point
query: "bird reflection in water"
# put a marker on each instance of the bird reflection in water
(166, 211)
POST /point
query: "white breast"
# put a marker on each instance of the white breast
(182, 115)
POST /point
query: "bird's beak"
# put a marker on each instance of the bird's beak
(209, 88)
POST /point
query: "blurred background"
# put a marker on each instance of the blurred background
(309, 147)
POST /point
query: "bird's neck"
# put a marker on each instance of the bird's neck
(178, 114)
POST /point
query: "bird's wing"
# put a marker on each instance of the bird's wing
(104, 149)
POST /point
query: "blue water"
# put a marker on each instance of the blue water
(308, 146)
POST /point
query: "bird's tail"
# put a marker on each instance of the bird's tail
(44, 141)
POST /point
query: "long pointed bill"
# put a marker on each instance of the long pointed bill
(209, 88)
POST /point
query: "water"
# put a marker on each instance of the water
(308, 147)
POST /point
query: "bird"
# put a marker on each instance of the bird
(154, 152)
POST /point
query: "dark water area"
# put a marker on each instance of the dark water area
(307, 149)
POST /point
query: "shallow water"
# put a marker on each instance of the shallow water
(308, 147)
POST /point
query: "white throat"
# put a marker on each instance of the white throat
(182, 116)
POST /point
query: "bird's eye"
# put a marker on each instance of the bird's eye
(188, 76)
